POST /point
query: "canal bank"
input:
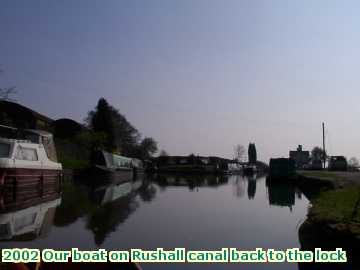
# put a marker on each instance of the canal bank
(333, 219)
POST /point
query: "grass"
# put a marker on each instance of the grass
(340, 207)
(74, 164)
(322, 174)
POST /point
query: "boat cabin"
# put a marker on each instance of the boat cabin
(28, 157)
(23, 154)
(111, 161)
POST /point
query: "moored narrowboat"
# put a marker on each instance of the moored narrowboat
(282, 168)
(338, 163)
(112, 167)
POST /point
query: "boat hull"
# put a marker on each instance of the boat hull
(26, 176)
(20, 186)
(102, 174)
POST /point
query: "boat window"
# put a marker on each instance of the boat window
(4, 150)
(24, 221)
(121, 162)
(4, 230)
(24, 153)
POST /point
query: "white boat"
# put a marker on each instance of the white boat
(234, 168)
(28, 158)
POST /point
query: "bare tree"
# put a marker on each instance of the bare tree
(353, 162)
(317, 153)
(163, 153)
(239, 152)
(6, 93)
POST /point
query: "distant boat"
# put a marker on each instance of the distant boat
(111, 167)
(338, 163)
(249, 169)
(234, 168)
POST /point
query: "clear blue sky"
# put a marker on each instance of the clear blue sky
(198, 76)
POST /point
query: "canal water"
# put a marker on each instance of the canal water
(192, 212)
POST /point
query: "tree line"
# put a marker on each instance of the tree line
(114, 133)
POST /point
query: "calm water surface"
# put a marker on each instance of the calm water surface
(194, 212)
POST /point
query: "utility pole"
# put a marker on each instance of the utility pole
(324, 152)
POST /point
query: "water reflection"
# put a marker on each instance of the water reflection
(281, 193)
(251, 191)
(248, 183)
(104, 207)
(239, 186)
(193, 182)
(145, 214)
(27, 213)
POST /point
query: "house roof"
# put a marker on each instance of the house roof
(10, 105)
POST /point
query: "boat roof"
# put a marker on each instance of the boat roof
(14, 140)
(17, 133)
(40, 132)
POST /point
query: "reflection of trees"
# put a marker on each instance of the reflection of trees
(281, 193)
(147, 192)
(217, 180)
(239, 186)
(105, 207)
(107, 218)
(75, 203)
(251, 190)
(192, 181)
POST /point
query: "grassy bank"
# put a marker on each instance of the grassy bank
(321, 175)
(332, 179)
(340, 208)
(74, 164)
(72, 154)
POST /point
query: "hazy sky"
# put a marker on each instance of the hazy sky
(199, 76)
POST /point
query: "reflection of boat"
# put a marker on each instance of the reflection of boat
(249, 169)
(138, 166)
(111, 167)
(111, 192)
(27, 157)
(114, 204)
(251, 187)
(114, 192)
(35, 220)
(280, 193)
